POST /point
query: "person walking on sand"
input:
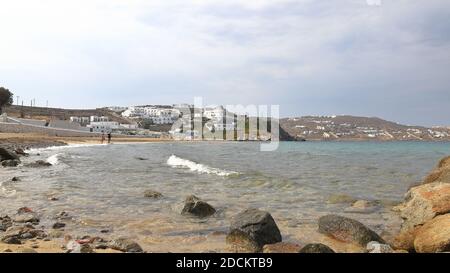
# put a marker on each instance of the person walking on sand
(103, 137)
(109, 137)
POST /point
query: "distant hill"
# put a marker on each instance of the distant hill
(357, 128)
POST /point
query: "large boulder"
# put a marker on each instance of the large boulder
(434, 236)
(423, 203)
(6, 154)
(441, 173)
(316, 248)
(347, 230)
(194, 206)
(252, 229)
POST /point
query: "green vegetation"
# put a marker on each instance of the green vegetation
(6, 98)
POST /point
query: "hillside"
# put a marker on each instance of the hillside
(357, 128)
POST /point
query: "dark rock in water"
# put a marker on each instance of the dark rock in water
(10, 163)
(141, 158)
(152, 194)
(5, 223)
(6, 154)
(20, 151)
(15, 179)
(63, 216)
(24, 233)
(58, 225)
(196, 207)
(125, 245)
(316, 248)
(39, 164)
(252, 229)
(347, 230)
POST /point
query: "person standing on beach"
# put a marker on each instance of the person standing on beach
(109, 137)
(103, 137)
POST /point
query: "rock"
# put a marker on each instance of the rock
(434, 236)
(362, 206)
(27, 218)
(376, 247)
(441, 174)
(58, 225)
(282, 248)
(152, 194)
(347, 230)
(23, 233)
(75, 247)
(20, 151)
(7, 250)
(24, 210)
(423, 203)
(125, 245)
(53, 199)
(316, 248)
(251, 230)
(11, 240)
(405, 240)
(196, 207)
(15, 179)
(5, 223)
(10, 163)
(340, 198)
(38, 164)
(6, 154)
(63, 216)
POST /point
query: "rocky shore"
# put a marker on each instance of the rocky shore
(425, 227)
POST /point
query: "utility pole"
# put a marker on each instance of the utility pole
(18, 102)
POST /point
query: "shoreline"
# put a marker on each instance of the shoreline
(56, 241)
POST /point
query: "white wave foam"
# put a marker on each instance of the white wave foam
(53, 148)
(177, 162)
(54, 160)
(4, 191)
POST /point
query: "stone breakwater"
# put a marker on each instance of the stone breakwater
(425, 227)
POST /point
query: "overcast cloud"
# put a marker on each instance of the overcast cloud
(310, 57)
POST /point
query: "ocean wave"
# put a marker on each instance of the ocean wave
(177, 162)
(54, 160)
(53, 148)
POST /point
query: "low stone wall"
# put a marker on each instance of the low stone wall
(22, 128)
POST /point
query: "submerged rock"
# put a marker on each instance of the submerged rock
(340, 198)
(282, 248)
(6, 154)
(363, 206)
(15, 179)
(125, 245)
(11, 163)
(347, 230)
(196, 207)
(251, 230)
(38, 164)
(152, 194)
(316, 248)
(58, 225)
(434, 236)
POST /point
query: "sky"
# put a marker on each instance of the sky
(389, 59)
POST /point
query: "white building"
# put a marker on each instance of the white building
(103, 126)
(99, 119)
(80, 120)
(215, 113)
(117, 109)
